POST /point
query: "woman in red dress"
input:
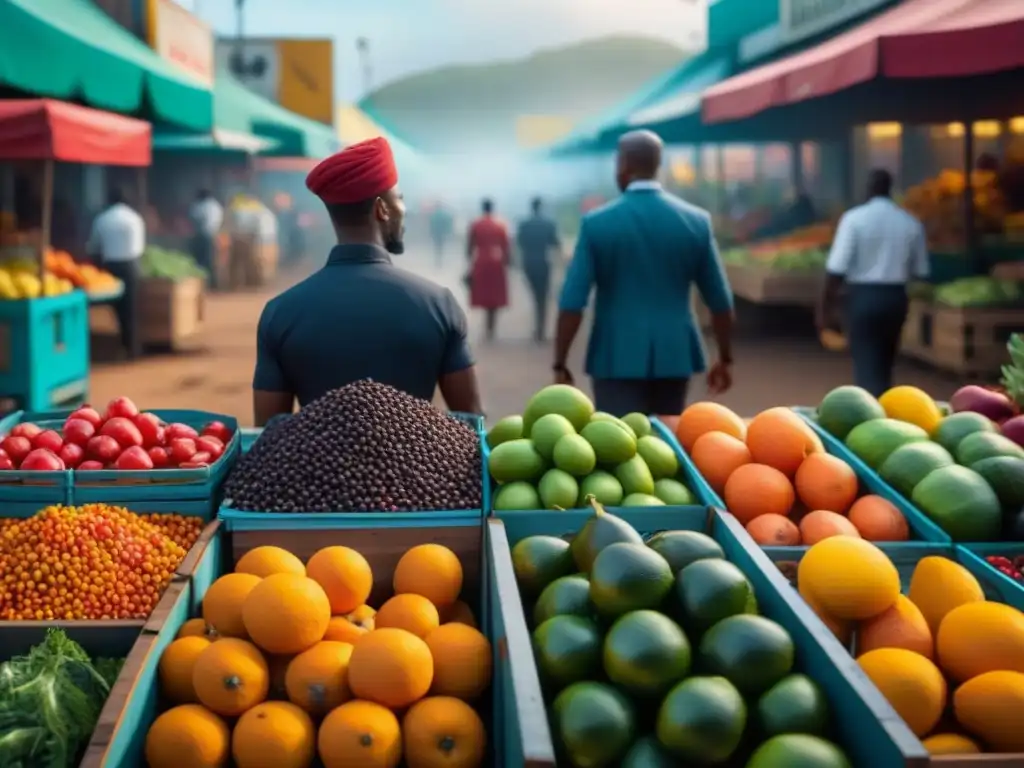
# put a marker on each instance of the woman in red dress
(488, 251)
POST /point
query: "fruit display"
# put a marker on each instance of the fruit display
(164, 264)
(289, 666)
(50, 701)
(950, 662)
(1013, 569)
(559, 452)
(19, 279)
(363, 447)
(979, 291)
(88, 277)
(939, 204)
(121, 438)
(655, 654)
(777, 480)
(89, 562)
(959, 469)
(781, 259)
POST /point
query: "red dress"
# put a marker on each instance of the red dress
(488, 275)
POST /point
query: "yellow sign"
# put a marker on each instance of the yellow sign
(306, 78)
(541, 130)
(180, 38)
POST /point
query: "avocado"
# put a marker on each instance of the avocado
(567, 596)
(659, 456)
(539, 560)
(702, 720)
(593, 724)
(680, 548)
(646, 653)
(547, 431)
(795, 704)
(567, 649)
(601, 530)
(635, 476)
(509, 428)
(639, 423)
(558, 489)
(708, 591)
(752, 652)
(628, 577)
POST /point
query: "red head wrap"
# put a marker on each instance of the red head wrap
(358, 172)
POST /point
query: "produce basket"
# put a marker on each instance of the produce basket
(693, 478)
(243, 520)
(866, 726)
(23, 493)
(106, 295)
(905, 557)
(1010, 590)
(512, 741)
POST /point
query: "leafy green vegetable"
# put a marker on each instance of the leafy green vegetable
(169, 265)
(50, 701)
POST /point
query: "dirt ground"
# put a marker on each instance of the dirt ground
(778, 361)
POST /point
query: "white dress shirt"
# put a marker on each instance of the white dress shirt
(118, 234)
(208, 216)
(879, 243)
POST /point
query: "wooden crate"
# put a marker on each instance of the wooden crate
(171, 311)
(763, 285)
(916, 330)
(968, 341)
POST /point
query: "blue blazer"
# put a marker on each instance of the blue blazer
(642, 253)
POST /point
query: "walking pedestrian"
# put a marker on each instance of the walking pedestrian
(117, 241)
(878, 248)
(207, 216)
(537, 237)
(440, 230)
(488, 250)
(360, 316)
(643, 252)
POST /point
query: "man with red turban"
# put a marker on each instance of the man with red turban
(360, 316)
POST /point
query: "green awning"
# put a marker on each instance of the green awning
(71, 50)
(217, 141)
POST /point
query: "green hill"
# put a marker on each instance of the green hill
(479, 105)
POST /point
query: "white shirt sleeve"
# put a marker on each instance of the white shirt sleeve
(920, 266)
(844, 248)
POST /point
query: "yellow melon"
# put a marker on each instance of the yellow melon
(989, 706)
(849, 578)
(902, 626)
(950, 744)
(939, 585)
(911, 683)
(981, 637)
(842, 629)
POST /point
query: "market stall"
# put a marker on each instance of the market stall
(44, 357)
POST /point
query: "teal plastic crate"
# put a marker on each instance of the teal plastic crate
(691, 475)
(511, 742)
(921, 527)
(867, 727)
(22, 494)
(47, 361)
(1010, 590)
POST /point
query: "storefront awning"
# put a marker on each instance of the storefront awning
(684, 98)
(854, 57)
(219, 140)
(42, 129)
(71, 50)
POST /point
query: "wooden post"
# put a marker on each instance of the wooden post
(47, 219)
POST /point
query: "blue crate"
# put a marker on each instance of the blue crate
(48, 357)
(510, 739)
(973, 557)
(922, 528)
(22, 494)
(691, 475)
(868, 728)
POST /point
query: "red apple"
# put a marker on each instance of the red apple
(42, 460)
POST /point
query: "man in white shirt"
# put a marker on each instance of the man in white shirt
(207, 217)
(878, 248)
(117, 241)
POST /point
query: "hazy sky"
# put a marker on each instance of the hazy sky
(409, 35)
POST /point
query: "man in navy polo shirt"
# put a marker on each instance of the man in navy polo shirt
(360, 316)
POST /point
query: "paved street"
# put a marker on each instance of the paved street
(774, 366)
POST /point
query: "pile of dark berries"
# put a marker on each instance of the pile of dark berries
(363, 448)
(1012, 568)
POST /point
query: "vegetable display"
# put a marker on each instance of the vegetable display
(120, 438)
(289, 663)
(365, 446)
(559, 452)
(166, 264)
(980, 291)
(90, 562)
(50, 700)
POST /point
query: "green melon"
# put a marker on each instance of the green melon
(874, 441)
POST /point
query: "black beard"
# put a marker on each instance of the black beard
(395, 246)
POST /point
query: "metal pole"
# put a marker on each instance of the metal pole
(240, 31)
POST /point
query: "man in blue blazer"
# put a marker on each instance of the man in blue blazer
(643, 252)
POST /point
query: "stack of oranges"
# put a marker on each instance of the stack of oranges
(89, 562)
(309, 669)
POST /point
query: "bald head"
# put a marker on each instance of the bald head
(639, 157)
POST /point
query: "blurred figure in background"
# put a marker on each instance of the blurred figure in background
(441, 227)
(536, 238)
(292, 238)
(207, 216)
(488, 250)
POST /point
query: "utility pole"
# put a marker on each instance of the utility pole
(239, 37)
(363, 49)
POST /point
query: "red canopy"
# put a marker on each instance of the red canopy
(920, 38)
(54, 130)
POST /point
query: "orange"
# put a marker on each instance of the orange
(188, 735)
(462, 661)
(230, 677)
(196, 628)
(981, 637)
(430, 570)
(413, 613)
(717, 455)
(391, 667)
(266, 561)
(345, 576)
(781, 439)
(774, 531)
(443, 732)
(360, 734)
(756, 489)
(175, 668)
(901, 626)
(274, 734)
(222, 603)
(341, 629)
(826, 482)
(912, 684)
(822, 524)
(459, 613)
(317, 679)
(286, 614)
(878, 519)
(701, 418)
